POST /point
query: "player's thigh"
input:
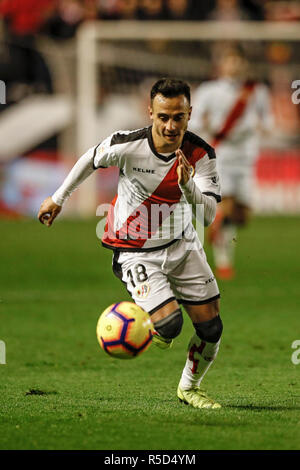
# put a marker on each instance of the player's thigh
(204, 312)
(165, 311)
(144, 279)
(241, 213)
(192, 279)
(227, 206)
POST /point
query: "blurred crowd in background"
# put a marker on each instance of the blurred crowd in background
(60, 18)
(23, 20)
(27, 69)
(24, 69)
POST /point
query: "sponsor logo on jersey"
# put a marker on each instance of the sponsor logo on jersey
(142, 290)
(143, 170)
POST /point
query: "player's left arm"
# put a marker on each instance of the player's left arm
(194, 186)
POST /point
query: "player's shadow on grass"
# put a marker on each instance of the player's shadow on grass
(263, 407)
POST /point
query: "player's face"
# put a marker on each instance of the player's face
(233, 66)
(170, 118)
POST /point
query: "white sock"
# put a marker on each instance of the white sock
(199, 358)
(224, 246)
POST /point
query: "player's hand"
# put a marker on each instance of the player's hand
(48, 211)
(184, 169)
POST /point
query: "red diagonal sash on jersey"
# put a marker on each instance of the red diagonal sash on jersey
(140, 220)
(235, 112)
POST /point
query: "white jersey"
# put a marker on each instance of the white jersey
(149, 210)
(213, 102)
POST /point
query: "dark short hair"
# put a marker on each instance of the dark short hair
(234, 49)
(170, 88)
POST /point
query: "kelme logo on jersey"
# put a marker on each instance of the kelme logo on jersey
(144, 170)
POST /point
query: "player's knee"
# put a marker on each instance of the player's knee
(211, 330)
(170, 326)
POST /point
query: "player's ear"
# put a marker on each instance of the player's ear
(190, 112)
(150, 111)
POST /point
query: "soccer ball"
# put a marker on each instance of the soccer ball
(124, 330)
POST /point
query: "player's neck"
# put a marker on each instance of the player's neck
(163, 147)
(166, 148)
(232, 78)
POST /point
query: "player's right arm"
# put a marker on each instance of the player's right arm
(95, 157)
(51, 206)
(48, 211)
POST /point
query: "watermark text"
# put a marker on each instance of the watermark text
(2, 352)
(156, 222)
(296, 354)
(2, 92)
(296, 93)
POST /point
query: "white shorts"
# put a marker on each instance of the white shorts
(174, 273)
(237, 181)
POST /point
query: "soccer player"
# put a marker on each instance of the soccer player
(166, 172)
(233, 113)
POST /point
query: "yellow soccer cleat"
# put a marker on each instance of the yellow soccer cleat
(197, 398)
(160, 342)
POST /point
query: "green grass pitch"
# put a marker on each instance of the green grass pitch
(58, 389)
